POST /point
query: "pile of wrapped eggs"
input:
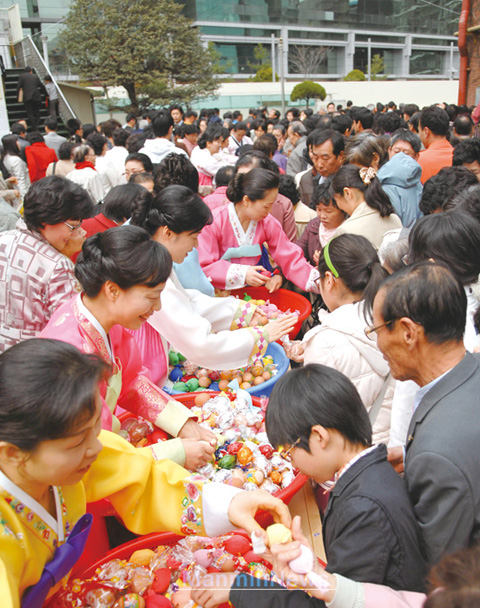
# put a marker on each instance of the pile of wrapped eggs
(188, 377)
(246, 459)
(243, 458)
(162, 578)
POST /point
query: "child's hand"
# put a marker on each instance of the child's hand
(258, 318)
(295, 350)
(395, 458)
(280, 556)
(274, 283)
(244, 506)
(254, 276)
(213, 590)
(192, 430)
(197, 453)
(280, 327)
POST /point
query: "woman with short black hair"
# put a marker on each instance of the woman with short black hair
(36, 274)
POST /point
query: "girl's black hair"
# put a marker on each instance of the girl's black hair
(322, 195)
(176, 169)
(9, 143)
(348, 176)
(253, 184)
(46, 387)
(452, 237)
(311, 395)
(53, 200)
(357, 264)
(125, 255)
(176, 207)
(211, 133)
(120, 201)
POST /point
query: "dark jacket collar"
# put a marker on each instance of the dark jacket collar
(450, 382)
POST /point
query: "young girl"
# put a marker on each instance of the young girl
(350, 274)
(122, 273)
(14, 163)
(230, 248)
(323, 227)
(195, 324)
(202, 157)
(359, 193)
(54, 459)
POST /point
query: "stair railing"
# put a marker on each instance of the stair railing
(28, 54)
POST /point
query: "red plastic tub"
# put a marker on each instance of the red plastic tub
(283, 299)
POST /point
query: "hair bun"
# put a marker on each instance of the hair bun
(235, 188)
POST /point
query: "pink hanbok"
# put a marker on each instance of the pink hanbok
(226, 251)
(129, 385)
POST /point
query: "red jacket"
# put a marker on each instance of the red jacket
(92, 225)
(39, 156)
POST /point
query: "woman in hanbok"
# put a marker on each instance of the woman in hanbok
(54, 458)
(230, 248)
(197, 325)
(122, 273)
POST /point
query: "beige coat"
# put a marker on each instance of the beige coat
(340, 342)
(368, 222)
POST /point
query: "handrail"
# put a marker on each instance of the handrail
(66, 111)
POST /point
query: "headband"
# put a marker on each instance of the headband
(328, 261)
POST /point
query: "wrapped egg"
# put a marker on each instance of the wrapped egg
(245, 385)
(276, 477)
(266, 450)
(202, 373)
(278, 462)
(101, 597)
(250, 486)
(237, 545)
(269, 486)
(244, 456)
(222, 476)
(287, 478)
(258, 380)
(176, 374)
(157, 601)
(192, 385)
(142, 557)
(213, 375)
(140, 579)
(238, 378)
(225, 420)
(207, 470)
(131, 600)
(263, 464)
(266, 376)
(247, 377)
(257, 370)
(255, 477)
(231, 434)
(162, 578)
(204, 382)
(203, 557)
(226, 374)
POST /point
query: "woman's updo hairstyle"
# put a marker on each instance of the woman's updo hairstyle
(211, 133)
(176, 207)
(125, 255)
(356, 263)
(349, 176)
(46, 387)
(253, 184)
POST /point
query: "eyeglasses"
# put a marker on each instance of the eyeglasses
(369, 331)
(287, 454)
(73, 228)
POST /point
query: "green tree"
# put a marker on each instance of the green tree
(262, 67)
(308, 90)
(355, 75)
(377, 66)
(146, 46)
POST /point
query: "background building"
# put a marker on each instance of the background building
(415, 38)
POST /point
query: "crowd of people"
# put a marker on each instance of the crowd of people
(123, 241)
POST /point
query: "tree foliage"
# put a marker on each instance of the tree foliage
(377, 66)
(262, 66)
(308, 90)
(355, 76)
(307, 60)
(146, 46)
